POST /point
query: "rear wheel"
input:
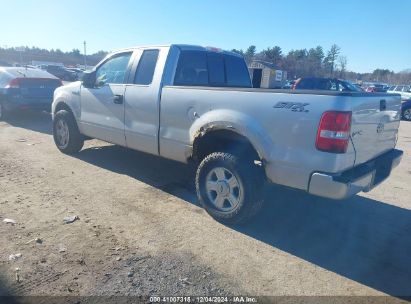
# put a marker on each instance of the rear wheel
(66, 135)
(229, 188)
(406, 114)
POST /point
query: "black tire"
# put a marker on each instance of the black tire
(406, 114)
(250, 187)
(75, 140)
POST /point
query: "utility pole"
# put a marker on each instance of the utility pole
(85, 55)
(20, 49)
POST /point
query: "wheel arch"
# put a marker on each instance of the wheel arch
(61, 105)
(212, 131)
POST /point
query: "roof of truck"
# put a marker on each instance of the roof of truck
(186, 47)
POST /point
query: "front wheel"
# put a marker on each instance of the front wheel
(229, 189)
(66, 135)
(406, 114)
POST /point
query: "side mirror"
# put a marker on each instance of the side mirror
(89, 79)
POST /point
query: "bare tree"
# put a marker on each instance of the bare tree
(330, 59)
(342, 63)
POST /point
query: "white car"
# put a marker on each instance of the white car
(404, 90)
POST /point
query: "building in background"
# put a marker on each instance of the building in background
(266, 75)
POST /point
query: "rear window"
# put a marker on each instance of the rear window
(216, 73)
(201, 68)
(146, 67)
(192, 69)
(237, 72)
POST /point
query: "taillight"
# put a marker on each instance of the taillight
(14, 84)
(334, 132)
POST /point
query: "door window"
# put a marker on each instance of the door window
(113, 71)
(146, 67)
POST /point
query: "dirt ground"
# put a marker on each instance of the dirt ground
(141, 231)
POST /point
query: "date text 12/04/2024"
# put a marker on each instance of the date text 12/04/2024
(204, 299)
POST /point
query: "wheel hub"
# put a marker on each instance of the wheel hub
(62, 133)
(223, 189)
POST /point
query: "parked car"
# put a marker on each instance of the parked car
(61, 72)
(406, 110)
(328, 84)
(403, 90)
(26, 88)
(79, 72)
(359, 87)
(376, 88)
(197, 105)
(288, 84)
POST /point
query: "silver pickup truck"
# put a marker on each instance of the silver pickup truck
(197, 105)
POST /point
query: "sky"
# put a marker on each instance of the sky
(371, 34)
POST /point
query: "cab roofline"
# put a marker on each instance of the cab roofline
(183, 47)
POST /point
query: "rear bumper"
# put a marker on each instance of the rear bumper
(361, 178)
(38, 104)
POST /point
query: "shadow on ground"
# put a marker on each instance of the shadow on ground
(35, 121)
(5, 294)
(365, 240)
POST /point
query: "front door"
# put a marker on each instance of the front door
(102, 107)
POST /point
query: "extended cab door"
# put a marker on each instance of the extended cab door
(142, 99)
(102, 106)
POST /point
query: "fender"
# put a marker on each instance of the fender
(238, 122)
(70, 96)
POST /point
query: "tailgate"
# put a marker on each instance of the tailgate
(375, 122)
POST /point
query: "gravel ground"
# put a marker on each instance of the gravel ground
(141, 232)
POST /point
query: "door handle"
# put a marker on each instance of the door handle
(118, 99)
(383, 105)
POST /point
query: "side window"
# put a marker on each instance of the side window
(192, 69)
(399, 88)
(146, 67)
(237, 72)
(216, 73)
(113, 70)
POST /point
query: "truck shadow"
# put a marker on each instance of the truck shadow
(362, 239)
(34, 121)
(6, 294)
